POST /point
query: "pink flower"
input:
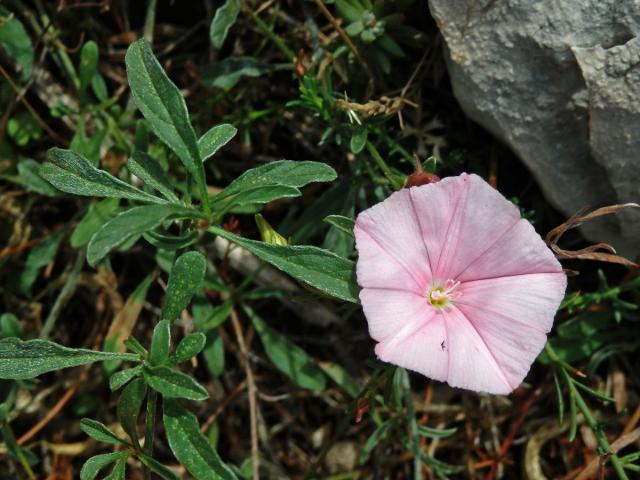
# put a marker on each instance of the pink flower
(455, 285)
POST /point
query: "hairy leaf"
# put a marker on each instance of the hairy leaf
(190, 446)
(21, 360)
(319, 268)
(72, 173)
(100, 432)
(148, 169)
(160, 343)
(224, 18)
(92, 467)
(185, 281)
(216, 138)
(171, 383)
(129, 405)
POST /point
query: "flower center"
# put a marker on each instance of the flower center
(441, 295)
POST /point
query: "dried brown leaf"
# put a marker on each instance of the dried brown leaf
(602, 252)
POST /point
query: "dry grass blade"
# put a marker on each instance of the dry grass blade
(623, 441)
(602, 252)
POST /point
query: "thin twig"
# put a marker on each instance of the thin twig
(251, 390)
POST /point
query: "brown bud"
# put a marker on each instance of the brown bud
(420, 177)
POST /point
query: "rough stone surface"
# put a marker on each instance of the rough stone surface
(559, 82)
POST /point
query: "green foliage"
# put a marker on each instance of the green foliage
(287, 356)
(171, 383)
(27, 359)
(319, 268)
(129, 405)
(223, 20)
(147, 169)
(73, 173)
(15, 41)
(185, 281)
(215, 138)
(190, 446)
(228, 72)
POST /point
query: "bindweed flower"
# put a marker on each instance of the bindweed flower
(456, 285)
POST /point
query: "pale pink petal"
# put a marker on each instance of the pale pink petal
(530, 300)
(388, 311)
(480, 216)
(392, 226)
(421, 349)
(472, 364)
(514, 345)
(434, 206)
(519, 250)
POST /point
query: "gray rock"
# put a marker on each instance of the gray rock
(559, 82)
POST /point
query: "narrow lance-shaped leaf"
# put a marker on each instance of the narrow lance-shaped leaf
(95, 464)
(185, 280)
(129, 405)
(216, 138)
(189, 347)
(148, 169)
(171, 383)
(342, 223)
(16, 41)
(100, 432)
(134, 221)
(72, 173)
(319, 268)
(288, 173)
(224, 18)
(160, 343)
(157, 468)
(163, 106)
(21, 360)
(287, 356)
(88, 65)
(190, 446)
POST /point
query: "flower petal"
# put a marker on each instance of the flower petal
(530, 300)
(389, 233)
(472, 364)
(462, 218)
(420, 350)
(388, 311)
(518, 251)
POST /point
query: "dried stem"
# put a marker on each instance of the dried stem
(251, 390)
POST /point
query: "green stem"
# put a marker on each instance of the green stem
(386, 170)
(275, 39)
(12, 445)
(149, 430)
(63, 296)
(412, 424)
(595, 427)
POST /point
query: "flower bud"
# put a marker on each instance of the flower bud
(268, 233)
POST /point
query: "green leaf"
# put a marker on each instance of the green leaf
(39, 257)
(10, 326)
(130, 223)
(20, 360)
(96, 216)
(31, 179)
(118, 472)
(359, 140)
(88, 65)
(121, 377)
(216, 138)
(226, 73)
(95, 464)
(340, 376)
(73, 173)
(171, 243)
(174, 384)
(342, 223)
(189, 347)
(129, 405)
(213, 352)
(185, 281)
(435, 432)
(287, 173)
(100, 432)
(319, 268)
(15, 40)
(147, 169)
(160, 343)
(287, 356)
(163, 106)
(378, 434)
(224, 18)
(190, 446)
(260, 196)
(157, 468)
